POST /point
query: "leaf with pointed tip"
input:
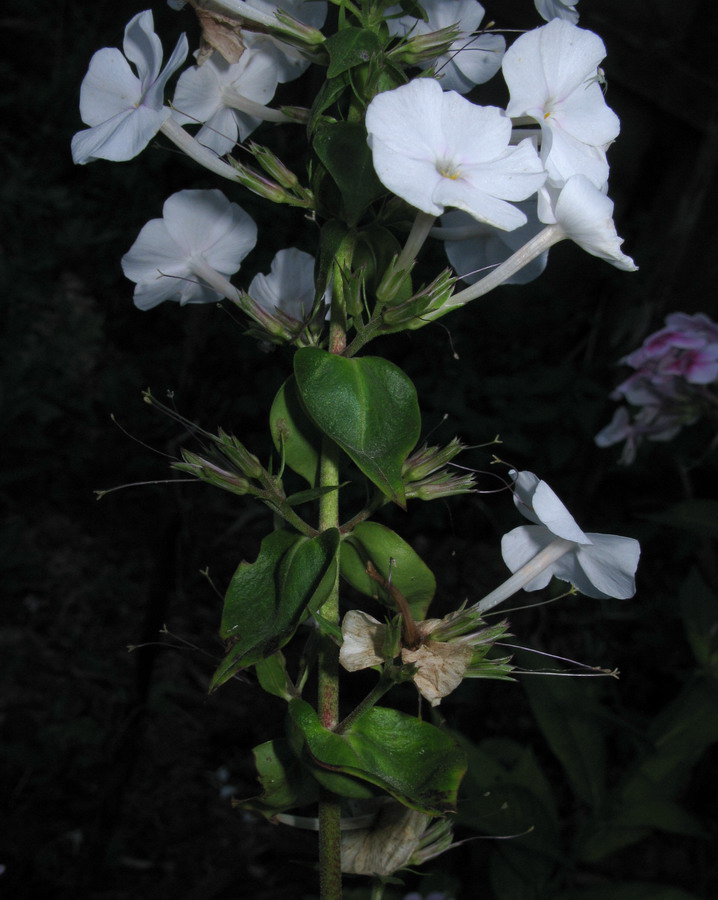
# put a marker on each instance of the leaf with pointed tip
(393, 558)
(418, 764)
(294, 434)
(266, 599)
(368, 406)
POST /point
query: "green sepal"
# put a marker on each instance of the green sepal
(266, 599)
(368, 406)
(273, 678)
(417, 763)
(286, 783)
(343, 151)
(351, 47)
(393, 558)
(294, 434)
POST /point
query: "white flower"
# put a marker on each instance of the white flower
(436, 149)
(599, 565)
(585, 215)
(552, 74)
(125, 110)
(201, 236)
(474, 247)
(557, 9)
(472, 59)
(289, 286)
(228, 98)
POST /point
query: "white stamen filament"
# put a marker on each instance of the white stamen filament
(526, 573)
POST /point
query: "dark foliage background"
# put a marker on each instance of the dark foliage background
(117, 766)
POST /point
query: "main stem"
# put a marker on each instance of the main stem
(330, 870)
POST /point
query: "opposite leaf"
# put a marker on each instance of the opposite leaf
(368, 406)
(267, 598)
(293, 434)
(417, 763)
(393, 558)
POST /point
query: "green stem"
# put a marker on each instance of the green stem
(377, 889)
(330, 870)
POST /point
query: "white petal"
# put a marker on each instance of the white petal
(153, 253)
(289, 285)
(197, 95)
(363, 638)
(477, 58)
(540, 504)
(143, 47)
(484, 247)
(206, 222)
(220, 131)
(586, 216)
(109, 87)
(564, 157)
(609, 565)
(120, 138)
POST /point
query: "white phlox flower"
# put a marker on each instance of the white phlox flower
(228, 98)
(436, 149)
(125, 111)
(599, 565)
(187, 255)
(584, 214)
(473, 247)
(472, 59)
(557, 9)
(552, 76)
(579, 212)
(289, 286)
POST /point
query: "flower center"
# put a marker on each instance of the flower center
(448, 169)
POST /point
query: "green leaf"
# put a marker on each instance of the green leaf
(294, 433)
(285, 782)
(417, 763)
(273, 678)
(266, 599)
(350, 47)
(333, 238)
(343, 151)
(392, 557)
(368, 406)
(567, 717)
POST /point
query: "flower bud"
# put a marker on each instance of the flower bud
(264, 187)
(427, 460)
(208, 471)
(238, 454)
(421, 48)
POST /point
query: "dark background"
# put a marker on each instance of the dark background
(117, 766)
